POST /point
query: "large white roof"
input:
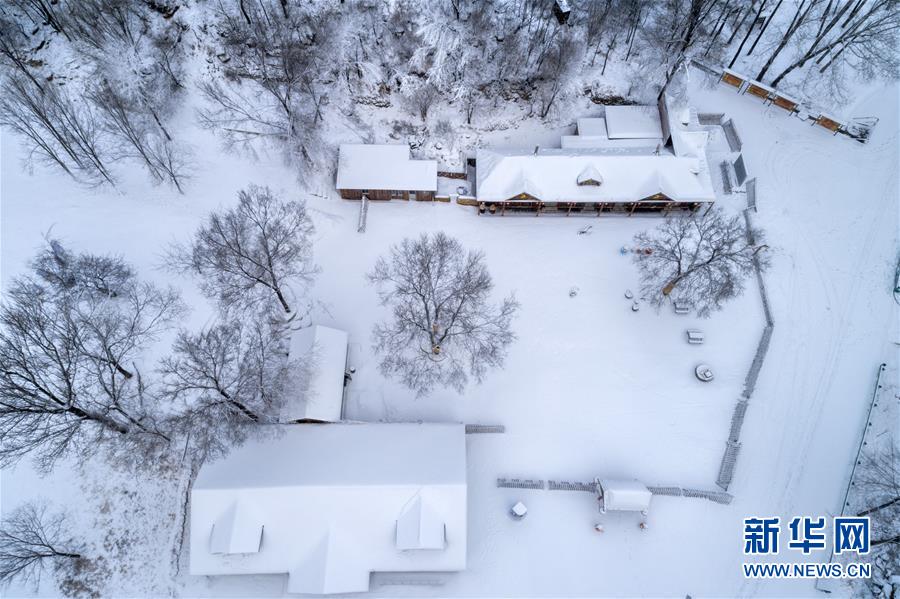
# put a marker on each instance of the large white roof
(319, 355)
(384, 167)
(330, 497)
(552, 176)
(633, 122)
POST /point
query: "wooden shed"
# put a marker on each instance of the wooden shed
(562, 10)
(384, 172)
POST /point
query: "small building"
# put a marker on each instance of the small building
(384, 172)
(561, 10)
(623, 496)
(320, 357)
(328, 505)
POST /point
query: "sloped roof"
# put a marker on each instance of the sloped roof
(419, 526)
(590, 173)
(238, 529)
(626, 178)
(384, 167)
(330, 496)
(319, 359)
(332, 565)
(633, 122)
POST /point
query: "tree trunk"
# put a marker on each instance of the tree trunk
(762, 5)
(281, 299)
(764, 27)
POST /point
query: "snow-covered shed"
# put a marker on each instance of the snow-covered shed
(321, 352)
(384, 172)
(623, 495)
(328, 505)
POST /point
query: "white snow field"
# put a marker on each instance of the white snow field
(589, 389)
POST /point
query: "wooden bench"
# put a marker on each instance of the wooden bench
(694, 336)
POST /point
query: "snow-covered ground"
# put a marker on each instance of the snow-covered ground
(589, 389)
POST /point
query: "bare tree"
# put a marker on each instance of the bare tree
(141, 136)
(232, 371)
(422, 98)
(262, 245)
(444, 328)
(279, 59)
(58, 130)
(30, 539)
(91, 274)
(555, 73)
(701, 260)
(866, 36)
(69, 382)
(876, 488)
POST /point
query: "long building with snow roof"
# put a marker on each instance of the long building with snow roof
(632, 159)
(329, 504)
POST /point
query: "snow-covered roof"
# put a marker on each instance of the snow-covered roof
(633, 122)
(552, 176)
(237, 530)
(384, 167)
(337, 502)
(625, 495)
(320, 356)
(592, 126)
(420, 527)
(601, 142)
(590, 175)
(688, 138)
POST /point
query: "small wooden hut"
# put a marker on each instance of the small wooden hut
(562, 10)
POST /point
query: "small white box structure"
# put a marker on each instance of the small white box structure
(623, 496)
(330, 504)
(319, 397)
(519, 510)
(694, 336)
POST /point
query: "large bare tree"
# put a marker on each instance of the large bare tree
(702, 259)
(32, 538)
(233, 370)
(69, 381)
(279, 61)
(251, 252)
(444, 327)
